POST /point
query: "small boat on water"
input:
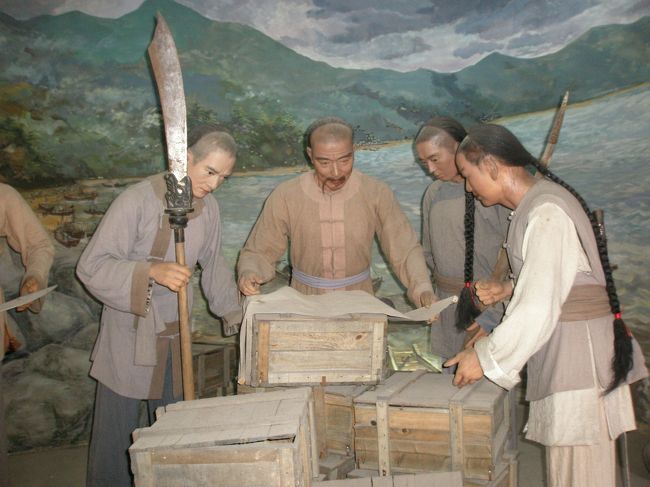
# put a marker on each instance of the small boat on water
(54, 209)
(81, 194)
(71, 233)
(114, 184)
(95, 210)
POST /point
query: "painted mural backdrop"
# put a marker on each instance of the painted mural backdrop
(79, 117)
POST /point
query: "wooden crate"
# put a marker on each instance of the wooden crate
(504, 475)
(215, 369)
(334, 415)
(291, 350)
(438, 479)
(250, 440)
(419, 422)
(339, 417)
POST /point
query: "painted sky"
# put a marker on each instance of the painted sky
(442, 35)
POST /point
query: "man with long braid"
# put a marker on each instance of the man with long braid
(446, 208)
(330, 217)
(564, 319)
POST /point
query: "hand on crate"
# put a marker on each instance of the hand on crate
(469, 368)
(249, 283)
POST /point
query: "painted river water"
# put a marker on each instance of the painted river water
(603, 152)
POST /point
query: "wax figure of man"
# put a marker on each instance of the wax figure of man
(130, 266)
(445, 209)
(564, 318)
(22, 231)
(330, 216)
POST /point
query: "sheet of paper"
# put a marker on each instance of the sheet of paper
(426, 313)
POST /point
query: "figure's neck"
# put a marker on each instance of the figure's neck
(518, 184)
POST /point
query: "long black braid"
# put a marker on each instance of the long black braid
(466, 309)
(500, 142)
(622, 362)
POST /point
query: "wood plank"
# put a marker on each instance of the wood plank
(379, 349)
(320, 421)
(263, 332)
(296, 340)
(316, 377)
(382, 437)
(320, 325)
(333, 360)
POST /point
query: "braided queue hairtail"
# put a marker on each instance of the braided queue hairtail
(500, 142)
(466, 309)
(622, 361)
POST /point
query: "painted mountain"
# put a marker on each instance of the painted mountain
(77, 97)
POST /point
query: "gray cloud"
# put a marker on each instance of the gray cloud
(443, 35)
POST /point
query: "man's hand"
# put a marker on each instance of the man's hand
(469, 368)
(29, 286)
(249, 283)
(170, 274)
(427, 298)
(491, 291)
(473, 333)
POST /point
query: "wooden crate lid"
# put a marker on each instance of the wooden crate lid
(346, 391)
(366, 317)
(432, 390)
(227, 420)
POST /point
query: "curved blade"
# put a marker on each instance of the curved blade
(167, 71)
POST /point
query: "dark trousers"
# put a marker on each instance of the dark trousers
(114, 419)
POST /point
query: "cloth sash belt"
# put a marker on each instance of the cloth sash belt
(450, 285)
(586, 302)
(324, 283)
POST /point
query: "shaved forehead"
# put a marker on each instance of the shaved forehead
(436, 136)
(329, 130)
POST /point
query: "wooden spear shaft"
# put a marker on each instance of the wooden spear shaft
(183, 322)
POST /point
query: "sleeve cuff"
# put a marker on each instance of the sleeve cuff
(141, 288)
(417, 291)
(487, 320)
(232, 322)
(491, 368)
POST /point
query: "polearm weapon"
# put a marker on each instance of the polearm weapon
(554, 135)
(167, 71)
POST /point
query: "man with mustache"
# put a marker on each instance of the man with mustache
(330, 217)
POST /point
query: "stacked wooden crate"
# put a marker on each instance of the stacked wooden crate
(440, 479)
(419, 422)
(295, 350)
(289, 351)
(253, 440)
(215, 369)
(410, 423)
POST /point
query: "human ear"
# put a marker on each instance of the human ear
(491, 166)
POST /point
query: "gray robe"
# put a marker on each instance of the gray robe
(443, 240)
(114, 267)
